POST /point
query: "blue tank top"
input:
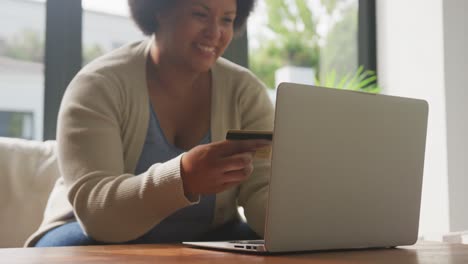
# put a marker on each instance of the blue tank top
(186, 224)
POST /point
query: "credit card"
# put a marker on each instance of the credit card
(261, 153)
(249, 134)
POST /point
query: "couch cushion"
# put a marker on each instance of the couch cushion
(28, 170)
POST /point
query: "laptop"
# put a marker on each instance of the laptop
(346, 172)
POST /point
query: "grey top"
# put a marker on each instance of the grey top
(188, 223)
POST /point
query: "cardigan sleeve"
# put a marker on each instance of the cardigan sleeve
(257, 113)
(110, 203)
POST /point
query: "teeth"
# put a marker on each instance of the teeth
(206, 48)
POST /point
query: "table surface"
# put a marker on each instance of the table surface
(439, 253)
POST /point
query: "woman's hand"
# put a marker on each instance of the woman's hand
(215, 167)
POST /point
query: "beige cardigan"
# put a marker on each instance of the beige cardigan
(102, 126)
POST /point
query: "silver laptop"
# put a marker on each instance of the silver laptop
(347, 171)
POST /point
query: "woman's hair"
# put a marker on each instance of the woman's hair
(144, 13)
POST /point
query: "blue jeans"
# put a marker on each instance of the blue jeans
(71, 234)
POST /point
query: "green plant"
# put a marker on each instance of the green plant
(361, 80)
(26, 45)
(91, 52)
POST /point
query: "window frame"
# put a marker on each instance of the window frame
(367, 35)
(62, 60)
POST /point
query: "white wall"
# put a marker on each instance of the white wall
(456, 81)
(413, 61)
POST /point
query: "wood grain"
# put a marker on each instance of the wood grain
(422, 254)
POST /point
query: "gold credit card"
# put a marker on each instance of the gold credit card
(261, 153)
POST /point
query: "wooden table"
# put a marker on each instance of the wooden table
(422, 253)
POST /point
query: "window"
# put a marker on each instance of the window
(21, 68)
(17, 124)
(106, 26)
(308, 41)
(93, 27)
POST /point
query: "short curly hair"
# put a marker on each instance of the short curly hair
(144, 11)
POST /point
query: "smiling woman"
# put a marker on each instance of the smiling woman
(193, 34)
(150, 119)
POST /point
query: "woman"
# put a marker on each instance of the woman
(141, 132)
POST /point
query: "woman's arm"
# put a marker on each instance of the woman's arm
(110, 202)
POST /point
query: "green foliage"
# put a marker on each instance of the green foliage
(297, 52)
(330, 5)
(361, 80)
(296, 41)
(29, 46)
(25, 45)
(91, 52)
(339, 51)
(265, 62)
(284, 22)
(271, 56)
(292, 29)
(15, 127)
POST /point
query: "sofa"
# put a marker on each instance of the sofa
(28, 171)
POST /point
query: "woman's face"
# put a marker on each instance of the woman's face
(195, 33)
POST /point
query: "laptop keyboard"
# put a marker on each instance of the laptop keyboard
(248, 242)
